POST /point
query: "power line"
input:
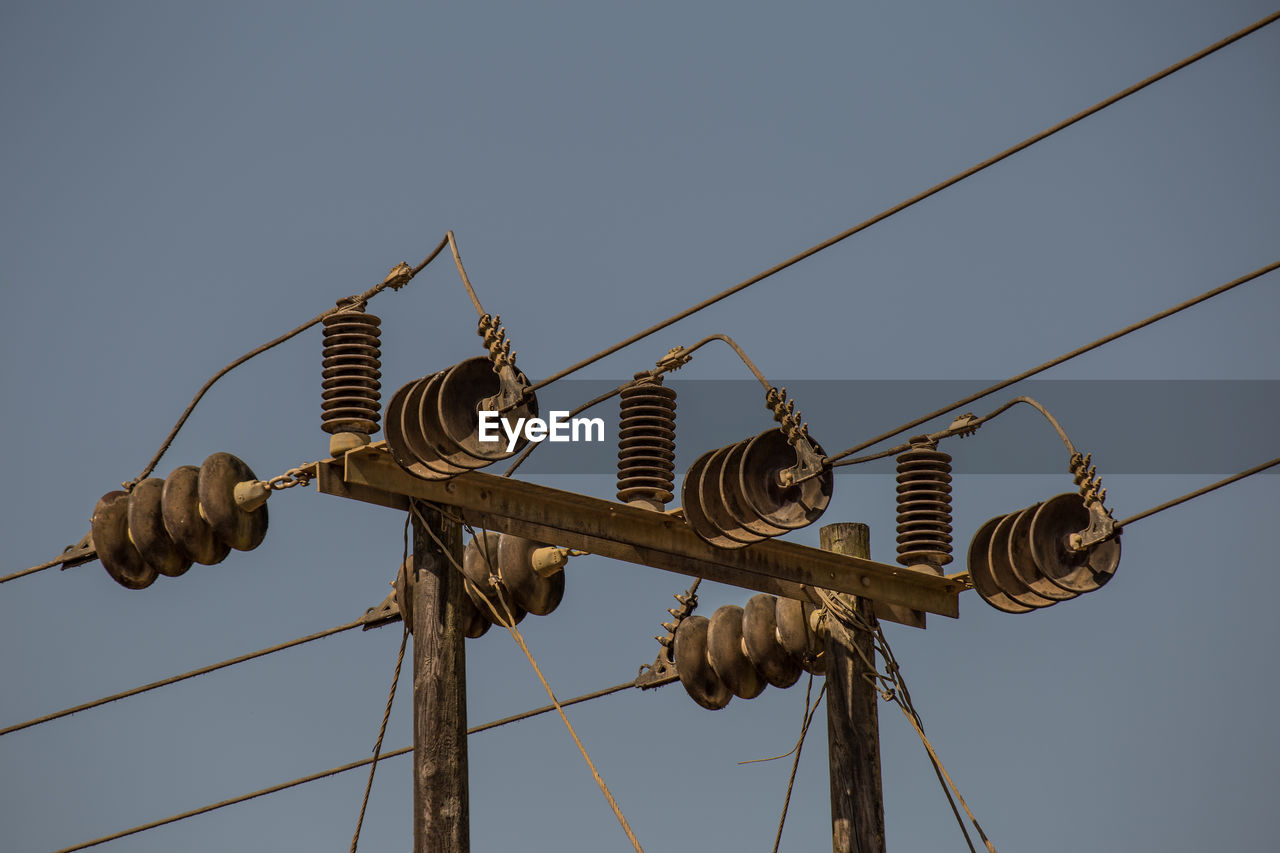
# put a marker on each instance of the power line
(183, 677)
(31, 571)
(1168, 312)
(1257, 469)
(898, 208)
(399, 277)
(343, 768)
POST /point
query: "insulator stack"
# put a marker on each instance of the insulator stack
(741, 650)
(508, 575)
(191, 516)
(732, 497)
(352, 370)
(432, 424)
(647, 443)
(1024, 561)
(924, 505)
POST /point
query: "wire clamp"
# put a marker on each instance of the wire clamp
(964, 425)
(675, 358)
(399, 276)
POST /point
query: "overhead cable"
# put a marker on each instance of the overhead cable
(399, 277)
(56, 715)
(898, 208)
(343, 768)
(1026, 374)
(1256, 469)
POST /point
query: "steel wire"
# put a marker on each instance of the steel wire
(901, 206)
(1026, 374)
(165, 682)
(342, 768)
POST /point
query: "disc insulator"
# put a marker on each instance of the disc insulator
(647, 444)
(924, 505)
(351, 373)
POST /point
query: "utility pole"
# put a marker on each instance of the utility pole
(441, 820)
(853, 723)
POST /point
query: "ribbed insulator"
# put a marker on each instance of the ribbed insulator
(351, 371)
(924, 506)
(647, 444)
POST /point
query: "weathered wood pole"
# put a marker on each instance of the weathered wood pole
(853, 723)
(441, 820)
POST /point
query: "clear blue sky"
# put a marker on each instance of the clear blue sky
(183, 182)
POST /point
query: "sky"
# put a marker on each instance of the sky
(183, 182)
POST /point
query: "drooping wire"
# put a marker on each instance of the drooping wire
(893, 688)
(343, 768)
(966, 426)
(674, 360)
(898, 208)
(182, 677)
(399, 277)
(386, 715)
(382, 731)
(534, 445)
(510, 625)
(1026, 374)
(462, 273)
(810, 709)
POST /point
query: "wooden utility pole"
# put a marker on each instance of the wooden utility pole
(853, 723)
(441, 820)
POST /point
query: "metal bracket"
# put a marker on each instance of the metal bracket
(384, 614)
(964, 425)
(80, 553)
(1101, 528)
(809, 463)
(511, 391)
(663, 669)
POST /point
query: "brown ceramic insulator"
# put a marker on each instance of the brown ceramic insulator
(405, 438)
(734, 501)
(1023, 561)
(532, 591)
(1002, 568)
(689, 651)
(647, 443)
(924, 506)
(789, 507)
(727, 655)
(980, 570)
(462, 392)
(180, 506)
(1074, 571)
(760, 636)
(797, 636)
(147, 530)
(350, 373)
(480, 565)
(242, 529)
(715, 504)
(116, 551)
(691, 503)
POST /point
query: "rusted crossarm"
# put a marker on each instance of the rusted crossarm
(641, 536)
